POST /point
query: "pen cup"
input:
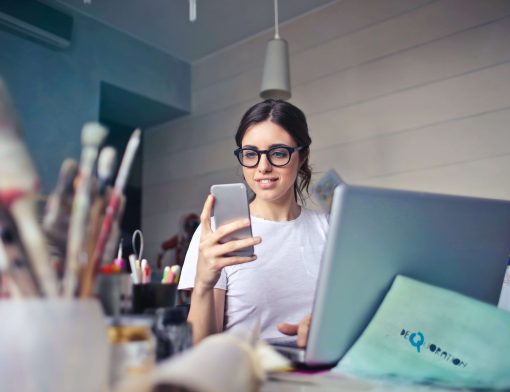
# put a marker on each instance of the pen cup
(115, 293)
(151, 296)
(53, 345)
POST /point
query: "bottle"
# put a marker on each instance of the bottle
(173, 332)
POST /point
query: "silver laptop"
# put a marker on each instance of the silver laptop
(455, 242)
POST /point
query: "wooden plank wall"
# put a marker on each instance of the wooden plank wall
(411, 94)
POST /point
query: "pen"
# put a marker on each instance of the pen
(138, 270)
(176, 270)
(166, 272)
(119, 261)
(146, 272)
(134, 274)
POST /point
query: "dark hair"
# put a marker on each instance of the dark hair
(293, 120)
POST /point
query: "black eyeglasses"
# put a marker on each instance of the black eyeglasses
(277, 156)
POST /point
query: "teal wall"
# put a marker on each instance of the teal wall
(56, 91)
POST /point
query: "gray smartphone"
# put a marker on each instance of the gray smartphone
(231, 204)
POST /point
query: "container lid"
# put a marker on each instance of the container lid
(174, 315)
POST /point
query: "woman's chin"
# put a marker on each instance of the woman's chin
(273, 195)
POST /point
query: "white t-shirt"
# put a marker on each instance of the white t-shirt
(280, 284)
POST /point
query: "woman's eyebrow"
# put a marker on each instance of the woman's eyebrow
(271, 146)
(278, 145)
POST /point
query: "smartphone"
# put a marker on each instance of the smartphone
(231, 204)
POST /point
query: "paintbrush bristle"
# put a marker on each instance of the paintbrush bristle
(93, 134)
(106, 162)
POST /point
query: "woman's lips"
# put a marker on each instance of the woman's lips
(266, 183)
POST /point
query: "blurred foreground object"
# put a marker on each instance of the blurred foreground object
(14, 260)
(18, 191)
(53, 345)
(227, 362)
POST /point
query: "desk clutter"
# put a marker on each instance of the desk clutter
(412, 343)
(80, 228)
(74, 316)
(62, 252)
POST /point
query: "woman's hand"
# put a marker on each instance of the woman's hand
(211, 256)
(301, 330)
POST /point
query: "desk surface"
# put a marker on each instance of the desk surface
(329, 383)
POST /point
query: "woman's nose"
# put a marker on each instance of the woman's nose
(264, 164)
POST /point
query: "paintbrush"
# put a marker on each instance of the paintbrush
(18, 189)
(105, 170)
(115, 234)
(105, 167)
(93, 135)
(55, 222)
(111, 211)
(58, 202)
(14, 260)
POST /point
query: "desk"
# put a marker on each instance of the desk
(325, 383)
(285, 383)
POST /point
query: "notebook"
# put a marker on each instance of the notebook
(455, 242)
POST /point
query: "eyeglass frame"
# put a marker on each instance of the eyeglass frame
(259, 153)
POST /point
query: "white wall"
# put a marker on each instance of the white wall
(409, 94)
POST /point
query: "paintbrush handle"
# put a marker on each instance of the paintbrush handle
(96, 217)
(23, 211)
(127, 160)
(22, 283)
(78, 223)
(106, 227)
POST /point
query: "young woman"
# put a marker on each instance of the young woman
(278, 283)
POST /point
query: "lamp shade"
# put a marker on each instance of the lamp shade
(276, 76)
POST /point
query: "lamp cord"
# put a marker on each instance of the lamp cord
(276, 32)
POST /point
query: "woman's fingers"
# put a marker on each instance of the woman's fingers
(230, 228)
(212, 251)
(205, 216)
(234, 260)
(212, 238)
(288, 329)
(301, 330)
(234, 245)
(302, 333)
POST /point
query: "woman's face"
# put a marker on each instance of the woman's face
(268, 182)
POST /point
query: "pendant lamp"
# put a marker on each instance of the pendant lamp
(276, 76)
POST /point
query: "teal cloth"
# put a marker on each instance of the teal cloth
(425, 334)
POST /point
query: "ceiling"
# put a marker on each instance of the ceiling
(165, 23)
